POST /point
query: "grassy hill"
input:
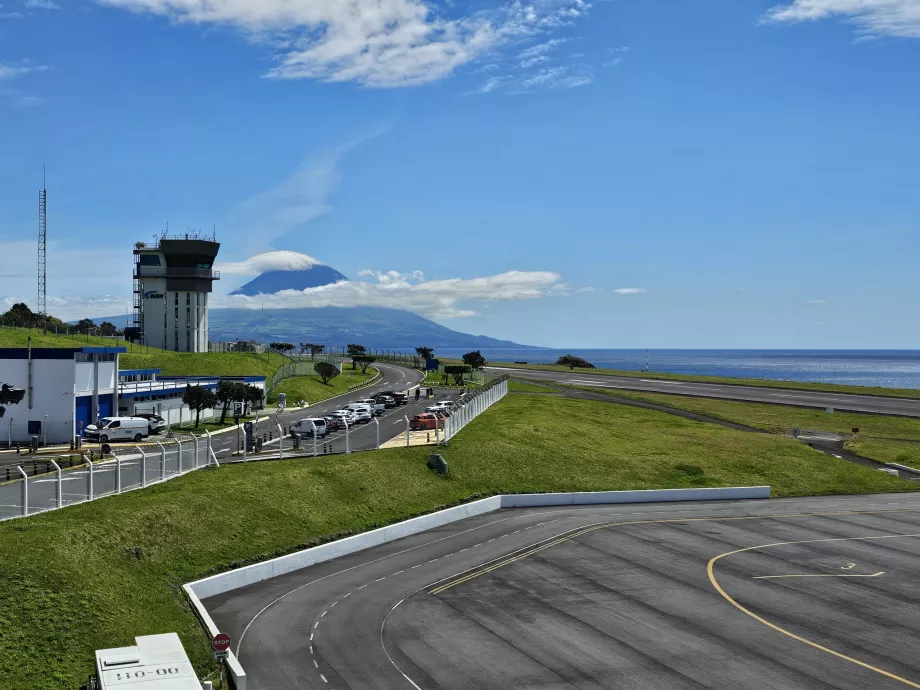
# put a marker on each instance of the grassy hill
(94, 575)
(142, 357)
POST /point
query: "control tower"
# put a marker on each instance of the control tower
(172, 280)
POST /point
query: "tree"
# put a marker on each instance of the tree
(457, 371)
(108, 328)
(229, 392)
(316, 350)
(573, 362)
(282, 347)
(10, 396)
(198, 399)
(85, 326)
(252, 394)
(364, 361)
(355, 349)
(326, 371)
(425, 352)
(19, 315)
(475, 360)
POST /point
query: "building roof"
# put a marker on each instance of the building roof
(56, 352)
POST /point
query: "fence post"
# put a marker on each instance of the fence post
(347, 442)
(180, 454)
(45, 432)
(378, 433)
(314, 437)
(60, 485)
(437, 435)
(25, 490)
(407, 430)
(117, 474)
(143, 466)
(280, 442)
(209, 446)
(162, 461)
(196, 452)
(89, 463)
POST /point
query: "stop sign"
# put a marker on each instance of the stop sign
(221, 642)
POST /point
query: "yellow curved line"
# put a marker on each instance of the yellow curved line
(718, 587)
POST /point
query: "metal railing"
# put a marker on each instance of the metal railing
(473, 404)
(175, 272)
(130, 467)
(369, 382)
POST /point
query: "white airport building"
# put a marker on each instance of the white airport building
(173, 277)
(68, 389)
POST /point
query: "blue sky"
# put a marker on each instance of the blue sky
(719, 173)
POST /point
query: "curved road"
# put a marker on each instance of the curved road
(905, 407)
(604, 597)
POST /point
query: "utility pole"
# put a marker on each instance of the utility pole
(42, 256)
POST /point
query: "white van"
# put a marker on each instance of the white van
(377, 408)
(118, 429)
(303, 428)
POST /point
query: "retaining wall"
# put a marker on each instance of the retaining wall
(257, 572)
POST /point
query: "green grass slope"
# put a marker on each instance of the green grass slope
(95, 575)
(312, 389)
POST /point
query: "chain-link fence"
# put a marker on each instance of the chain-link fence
(130, 467)
(472, 404)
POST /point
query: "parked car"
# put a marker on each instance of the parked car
(154, 421)
(334, 424)
(344, 416)
(304, 429)
(363, 415)
(426, 421)
(440, 411)
(386, 400)
(377, 408)
(400, 398)
(118, 429)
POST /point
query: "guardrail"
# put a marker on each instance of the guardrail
(369, 382)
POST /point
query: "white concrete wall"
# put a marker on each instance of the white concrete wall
(52, 398)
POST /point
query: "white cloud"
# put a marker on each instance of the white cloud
(554, 78)
(434, 298)
(630, 291)
(621, 49)
(530, 62)
(541, 48)
(380, 43)
(41, 5)
(817, 301)
(584, 290)
(874, 17)
(269, 261)
(10, 70)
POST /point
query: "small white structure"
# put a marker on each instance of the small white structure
(156, 662)
(66, 390)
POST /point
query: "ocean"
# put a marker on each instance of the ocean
(888, 368)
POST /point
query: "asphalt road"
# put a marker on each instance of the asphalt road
(781, 396)
(803, 593)
(43, 488)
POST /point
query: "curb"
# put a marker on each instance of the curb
(259, 572)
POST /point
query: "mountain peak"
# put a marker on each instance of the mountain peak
(309, 276)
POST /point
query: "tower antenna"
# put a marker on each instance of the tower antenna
(42, 255)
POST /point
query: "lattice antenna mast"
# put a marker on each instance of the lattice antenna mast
(42, 256)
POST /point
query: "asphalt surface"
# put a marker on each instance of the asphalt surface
(781, 396)
(43, 487)
(505, 600)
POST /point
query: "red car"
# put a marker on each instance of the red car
(334, 424)
(426, 421)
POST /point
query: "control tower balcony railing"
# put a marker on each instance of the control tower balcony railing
(175, 272)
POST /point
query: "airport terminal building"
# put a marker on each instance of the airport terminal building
(67, 389)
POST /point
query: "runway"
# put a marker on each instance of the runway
(783, 593)
(779, 396)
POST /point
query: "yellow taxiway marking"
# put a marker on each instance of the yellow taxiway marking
(473, 573)
(775, 577)
(718, 587)
(559, 539)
